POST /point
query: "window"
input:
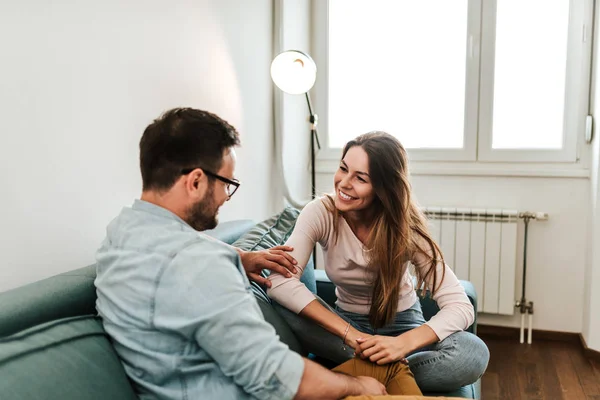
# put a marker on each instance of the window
(461, 80)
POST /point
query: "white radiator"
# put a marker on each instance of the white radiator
(480, 245)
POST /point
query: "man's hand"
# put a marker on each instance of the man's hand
(370, 386)
(276, 259)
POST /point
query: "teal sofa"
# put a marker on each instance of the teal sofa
(53, 346)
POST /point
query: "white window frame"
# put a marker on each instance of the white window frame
(477, 157)
(577, 88)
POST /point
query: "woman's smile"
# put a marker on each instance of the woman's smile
(345, 197)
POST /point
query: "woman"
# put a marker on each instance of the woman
(371, 230)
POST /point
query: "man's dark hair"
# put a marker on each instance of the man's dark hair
(183, 138)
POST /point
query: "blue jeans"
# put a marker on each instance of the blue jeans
(458, 360)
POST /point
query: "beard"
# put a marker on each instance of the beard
(203, 215)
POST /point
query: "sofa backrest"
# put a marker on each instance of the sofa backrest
(60, 296)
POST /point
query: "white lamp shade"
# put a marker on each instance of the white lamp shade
(294, 72)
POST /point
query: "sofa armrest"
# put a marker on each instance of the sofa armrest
(430, 308)
(326, 291)
(472, 295)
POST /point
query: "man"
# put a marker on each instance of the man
(177, 303)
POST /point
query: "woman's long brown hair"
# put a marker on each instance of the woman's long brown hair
(399, 228)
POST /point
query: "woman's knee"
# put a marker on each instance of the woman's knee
(472, 354)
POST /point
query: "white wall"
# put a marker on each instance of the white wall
(79, 81)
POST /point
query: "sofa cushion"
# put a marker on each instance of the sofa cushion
(272, 232)
(64, 359)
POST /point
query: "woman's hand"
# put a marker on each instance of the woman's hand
(387, 349)
(353, 336)
(276, 259)
(384, 349)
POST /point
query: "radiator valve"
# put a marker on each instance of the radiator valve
(526, 308)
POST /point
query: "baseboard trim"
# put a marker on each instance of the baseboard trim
(589, 353)
(506, 332)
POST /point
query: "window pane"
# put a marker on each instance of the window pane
(398, 66)
(530, 73)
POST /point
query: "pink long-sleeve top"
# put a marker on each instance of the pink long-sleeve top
(347, 268)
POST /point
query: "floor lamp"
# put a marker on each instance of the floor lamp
(294, 72)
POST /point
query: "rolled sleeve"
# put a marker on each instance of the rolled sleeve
(207, 298)
(286, 380)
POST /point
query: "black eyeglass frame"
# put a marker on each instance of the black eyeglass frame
(230, 182)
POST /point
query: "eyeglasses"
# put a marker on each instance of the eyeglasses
(231, 187)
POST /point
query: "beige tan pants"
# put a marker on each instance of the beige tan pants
(396, 377)
(400, 398)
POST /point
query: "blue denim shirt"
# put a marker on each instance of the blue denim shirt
(178, 307)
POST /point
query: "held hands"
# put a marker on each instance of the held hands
(353, 336)
(384, 349)
(276, 259)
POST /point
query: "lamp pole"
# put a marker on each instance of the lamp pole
(314, 137)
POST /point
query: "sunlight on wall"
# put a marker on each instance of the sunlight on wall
(79, 83)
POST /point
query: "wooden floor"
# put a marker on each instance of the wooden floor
(542, 370)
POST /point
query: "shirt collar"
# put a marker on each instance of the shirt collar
(151, 208)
